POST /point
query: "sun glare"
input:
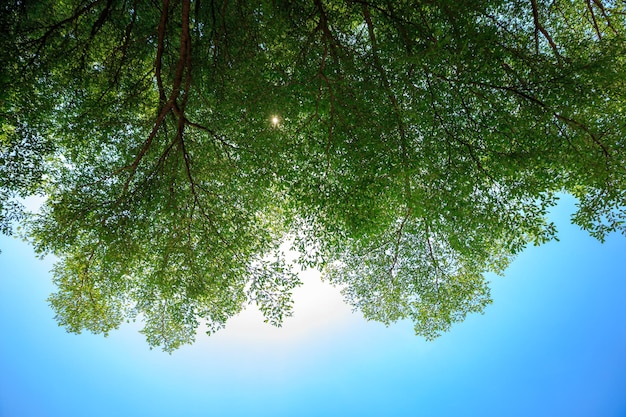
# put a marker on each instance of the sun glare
(318, 309)
(275, 120)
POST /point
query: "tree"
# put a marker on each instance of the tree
(404, 148)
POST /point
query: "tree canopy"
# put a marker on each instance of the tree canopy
(404, 148)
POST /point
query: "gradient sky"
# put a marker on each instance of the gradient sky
(553, 343)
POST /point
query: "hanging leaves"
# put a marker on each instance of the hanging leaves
(404, 148)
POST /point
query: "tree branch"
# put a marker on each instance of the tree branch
(539, 27)
(396, 252)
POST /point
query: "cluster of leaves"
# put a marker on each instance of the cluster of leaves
(416, 146)
(23, 142)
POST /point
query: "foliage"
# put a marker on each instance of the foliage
(404, 148)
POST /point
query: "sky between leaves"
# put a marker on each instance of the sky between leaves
(552, 344)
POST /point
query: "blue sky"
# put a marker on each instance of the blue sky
(553, 343)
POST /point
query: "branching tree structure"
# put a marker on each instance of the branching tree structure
(405, 148)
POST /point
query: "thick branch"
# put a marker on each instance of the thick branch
(604, 14)
(593, 19)
(184, 61)
(160, 48)
(539, 27)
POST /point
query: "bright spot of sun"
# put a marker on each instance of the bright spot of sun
(275, 120)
